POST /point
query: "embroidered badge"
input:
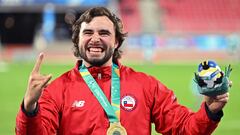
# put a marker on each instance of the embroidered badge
(128, 102)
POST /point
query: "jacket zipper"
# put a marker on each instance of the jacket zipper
(99, 76)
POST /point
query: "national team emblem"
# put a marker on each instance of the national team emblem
(128, 103)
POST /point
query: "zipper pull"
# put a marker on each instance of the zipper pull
(99, 76)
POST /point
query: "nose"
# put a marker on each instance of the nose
(95, 38)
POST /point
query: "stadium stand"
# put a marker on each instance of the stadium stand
(130, 14)
(201, 16)
(178, 29)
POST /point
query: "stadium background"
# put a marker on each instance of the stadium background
(167, 39)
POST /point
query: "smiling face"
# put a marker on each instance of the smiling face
(97, 41)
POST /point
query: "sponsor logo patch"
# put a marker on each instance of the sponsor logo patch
(78, 104)
(128, 102)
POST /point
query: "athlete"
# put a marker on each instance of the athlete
(101, 96)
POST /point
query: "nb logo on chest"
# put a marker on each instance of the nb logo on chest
(78, 104)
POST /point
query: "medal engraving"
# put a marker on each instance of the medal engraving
(116, 129)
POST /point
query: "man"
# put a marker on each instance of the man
(102, 96)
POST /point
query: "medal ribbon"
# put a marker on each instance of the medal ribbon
(112, 110)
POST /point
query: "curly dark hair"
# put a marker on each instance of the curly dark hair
(87, 17)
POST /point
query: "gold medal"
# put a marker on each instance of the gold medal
(116, 129)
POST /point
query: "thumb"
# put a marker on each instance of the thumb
(208, 100)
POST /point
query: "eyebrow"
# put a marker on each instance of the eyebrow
(105, 31)
(101, 30)
(87, 30)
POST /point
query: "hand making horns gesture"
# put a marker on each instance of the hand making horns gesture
(36, 83)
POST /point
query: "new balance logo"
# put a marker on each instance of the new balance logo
(78, 103)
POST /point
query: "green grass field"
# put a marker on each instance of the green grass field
(177, 77)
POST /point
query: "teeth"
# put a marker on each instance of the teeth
(95, 50)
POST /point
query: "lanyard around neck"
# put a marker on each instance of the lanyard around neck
(112, 110)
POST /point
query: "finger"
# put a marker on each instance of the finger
(222, 96)
(224, 100)
(230, 84)
(37, 84)
(46, 80)
(37, 77)
(38, 63)
(40, 81)
(46, 85)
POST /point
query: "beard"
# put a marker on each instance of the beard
(97, 61)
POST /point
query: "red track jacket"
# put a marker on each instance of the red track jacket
(68, 107)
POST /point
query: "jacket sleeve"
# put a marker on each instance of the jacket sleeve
(171, 118)
(46, 119)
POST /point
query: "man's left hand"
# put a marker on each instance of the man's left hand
(215, 104)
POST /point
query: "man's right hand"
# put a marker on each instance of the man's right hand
(36, 84)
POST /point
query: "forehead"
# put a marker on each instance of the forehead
(99, 22)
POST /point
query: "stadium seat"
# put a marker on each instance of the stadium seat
(200, 16)
(130, 14)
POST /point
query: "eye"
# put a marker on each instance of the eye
(87, 32)
(104, 33)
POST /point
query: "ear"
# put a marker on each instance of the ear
(116, 45)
